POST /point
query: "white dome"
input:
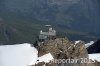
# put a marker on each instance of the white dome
(50, 29)
(41, 32)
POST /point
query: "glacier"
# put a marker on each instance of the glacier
(18, 55)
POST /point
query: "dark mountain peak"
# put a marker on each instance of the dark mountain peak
(95, 48)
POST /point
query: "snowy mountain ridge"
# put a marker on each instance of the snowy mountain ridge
(26, 55)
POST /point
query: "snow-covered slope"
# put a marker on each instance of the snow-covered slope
(17, 55)
(45, 58)
(89, 44)
(95, 57)
(25, 55)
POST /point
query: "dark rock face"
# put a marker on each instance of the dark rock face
(95, 48)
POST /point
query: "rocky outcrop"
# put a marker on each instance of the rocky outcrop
(71, 53)
(62, 48)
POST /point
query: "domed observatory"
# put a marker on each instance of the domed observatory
(50, 34)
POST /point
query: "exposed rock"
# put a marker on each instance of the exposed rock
(62, 48)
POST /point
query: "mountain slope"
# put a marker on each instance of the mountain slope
(17, 29)
(79, 18)
(63, 12)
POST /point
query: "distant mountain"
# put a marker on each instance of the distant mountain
(64, 12)
(17, 29)
(79, 18)
(95, 48)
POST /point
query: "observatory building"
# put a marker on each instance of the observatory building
(51, 33)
